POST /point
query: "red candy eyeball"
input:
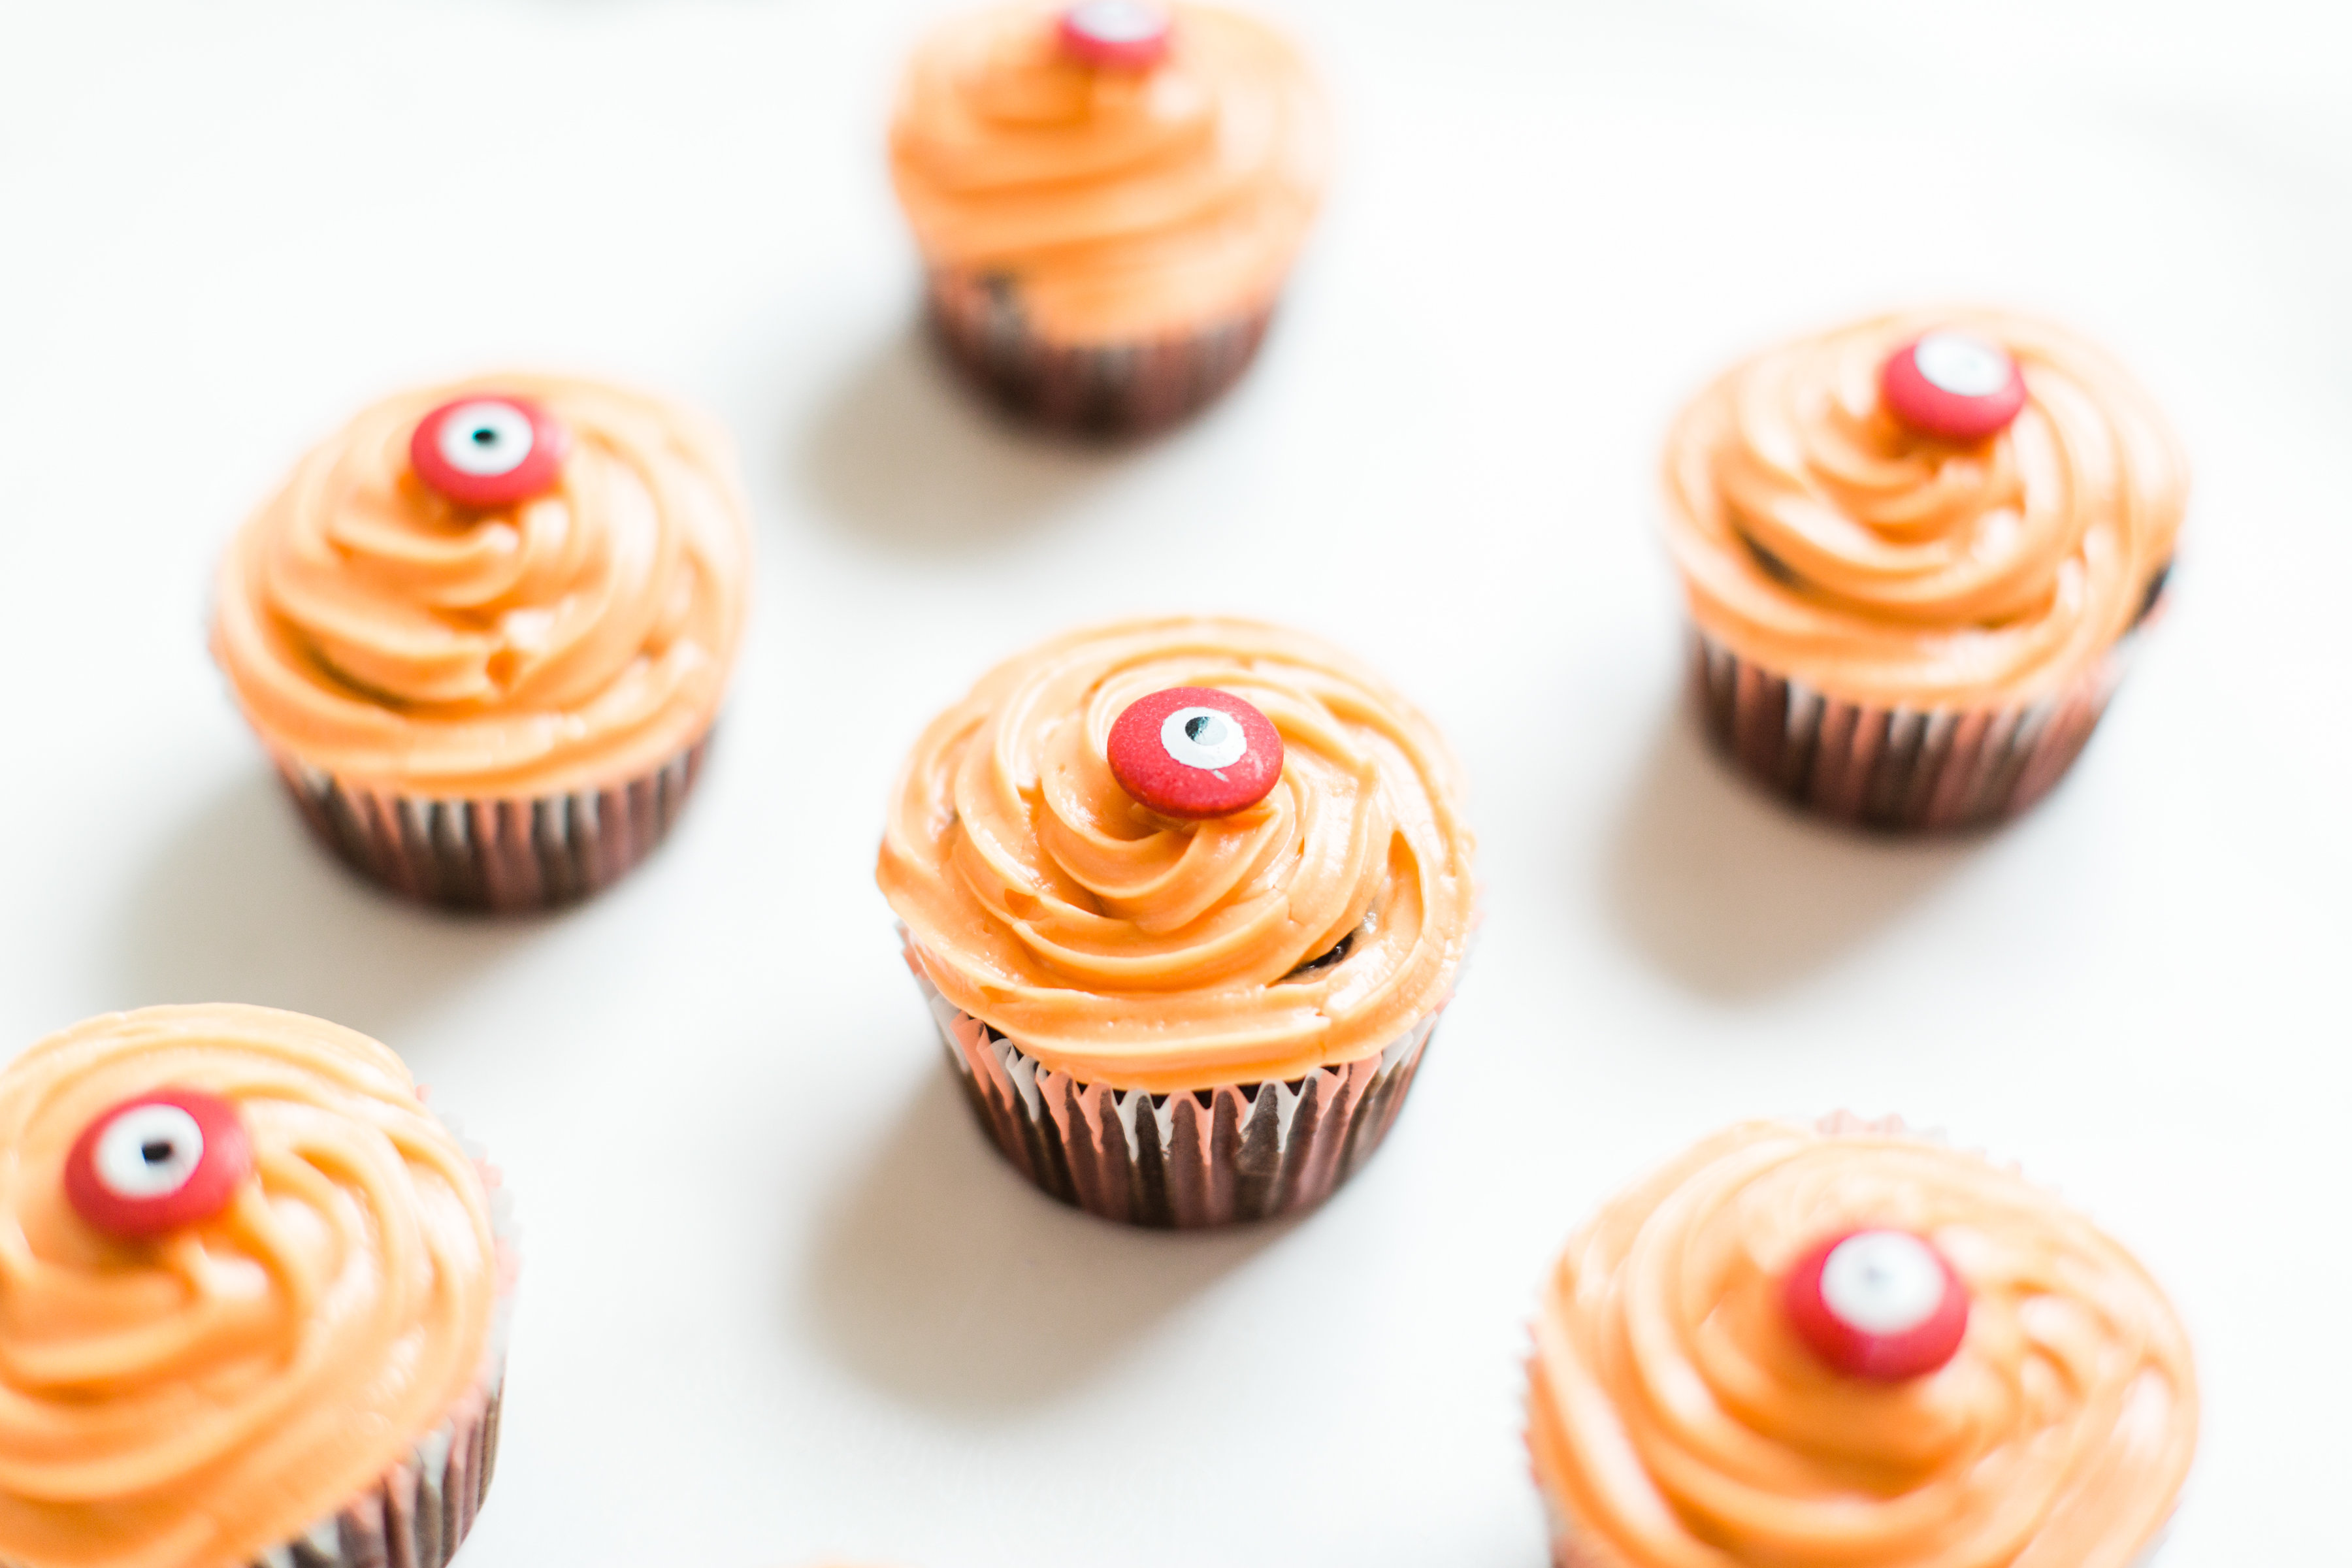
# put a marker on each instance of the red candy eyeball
(489, 450)
(158, 1161)
(1124, 35)
(1878, 1304)
(1194, 751)
(1953, 384)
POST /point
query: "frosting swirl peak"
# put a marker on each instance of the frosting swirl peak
(1123, 203)
(1144, 951)
(1678, 1421)
(583, 637)
(1818, 535)
(190, 1401)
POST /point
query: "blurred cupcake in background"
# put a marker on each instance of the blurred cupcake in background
(484, 631)
(1916, 550)
(1185, 897)
(1107, 197)
(1848, 1344)
(254, 1301)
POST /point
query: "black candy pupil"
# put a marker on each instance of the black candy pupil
(484, 436)
(155, 1150)
(1201, 728)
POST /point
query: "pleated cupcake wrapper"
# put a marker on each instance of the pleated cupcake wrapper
(418, 1513)
(1893, 767)
(1118, 390)
(1183, 1160)
(509, 856)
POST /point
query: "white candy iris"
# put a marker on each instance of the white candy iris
(1882, 1281)
(485, 438)
(1117, 21)
(1204, 738)
(1962, 364)
(148, 1152)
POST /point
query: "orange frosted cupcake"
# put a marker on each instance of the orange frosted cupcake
(1107, 198)
(1849, 1345)
(1186, 896)
(250, 1301)
(484, 631)
(1916, 550)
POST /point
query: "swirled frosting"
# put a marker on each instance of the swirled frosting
(1819, 538)
(1143, 951)
(1677, 1422)
(1124, 204)
(577, 640)
(190, 1401)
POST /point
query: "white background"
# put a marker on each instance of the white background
(779, 1300)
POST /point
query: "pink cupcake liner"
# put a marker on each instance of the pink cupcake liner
(1180, 1161)
(507, 855)
(1914, 768)
(1116, 391)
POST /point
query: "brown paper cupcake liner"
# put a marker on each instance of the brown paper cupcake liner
(507, 855)
(420, 1511)
(1185, 1160)
(1914, 769)
(1116, 391)
(416, 1516)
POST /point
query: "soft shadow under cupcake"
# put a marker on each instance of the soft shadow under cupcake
(239, 905)
(909, 459)
(942, 1277)
(1736, 895)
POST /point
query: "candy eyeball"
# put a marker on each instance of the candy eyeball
(149, 1152)
(1882, 1281)
(1194, 751)
(1881, 1304)
(489, 450)
(1203, 737)
(1125, 34)
(158, 1161)
(1954, 385)
(484, 440)
(1963, 364)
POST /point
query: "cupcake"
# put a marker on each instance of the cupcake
(1185, 897)
(1916, 552)
(1107, 198)
(1849, 1345)
(484, 630)
(250, 1301)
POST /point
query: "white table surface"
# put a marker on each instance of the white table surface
(779, 1300)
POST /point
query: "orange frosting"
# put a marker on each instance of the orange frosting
(576, 640)
(1142, 952)
(190, 1401)
(1124, 204)
(1677, 1422)
(1820, 538)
